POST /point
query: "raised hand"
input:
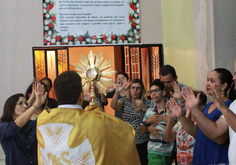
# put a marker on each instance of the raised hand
(156, 133)
(175, 107)
(191, 101)
(220, 103)
(41, 95)
(119, 87)
(171, 115)
(110, 88)
(177, 91)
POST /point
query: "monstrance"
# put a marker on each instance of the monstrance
(93, 70)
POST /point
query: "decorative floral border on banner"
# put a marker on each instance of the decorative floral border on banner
(50, 36)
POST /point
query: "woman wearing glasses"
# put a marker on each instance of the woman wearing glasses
(133, 108)
(18, 132)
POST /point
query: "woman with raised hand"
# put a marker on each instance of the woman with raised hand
(18, 132)
(133, 108)
(211, 146)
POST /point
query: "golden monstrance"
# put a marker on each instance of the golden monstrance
(93, 70)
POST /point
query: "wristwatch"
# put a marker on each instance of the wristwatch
(146, 124)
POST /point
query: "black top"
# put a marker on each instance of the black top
(52, 103)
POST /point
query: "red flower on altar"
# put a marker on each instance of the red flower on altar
(113, 37)
(81, 38)
(58, 38)
(50, 43)
(70, 38)
(104, 37)
(50, 25)
(107, 42)
(63, 43)
(53, 18)
(93, 37)
(44, 33)
(44, 15)
(133, 7)
(122, 38)
(133, 24)
(131, 17)
(133, 36)
(139, 39)
(45, 41)
(50, 6)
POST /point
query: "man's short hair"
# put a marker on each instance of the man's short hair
(168, 69)
(68, 87)
(158, 83)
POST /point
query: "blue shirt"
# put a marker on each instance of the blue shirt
(19, 144)
(205, 150)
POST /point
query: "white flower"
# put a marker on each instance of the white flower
(46, 28)
(136, 36)
(65, 40)
(47, 1)
(70, 43)
(58, 43)
(135, 15)
(131, 12)
(46, 22)
(137, 5)
(109, 39)
(53, 40)
(113, 41)
(134, 1)
(83, 42)
(120, 41)
(50, 12)
(129, 38)
(50, 32)
(137, 21)
(93, 41)
(137, 10)
(125, 41)
(48, 38)
(99, 35)
(47, 15)
(137, 41)
(77, 43)
(87, 39)
(99, 40)
(137, 27)
(44, 5)
(135, 31)
(44, 10)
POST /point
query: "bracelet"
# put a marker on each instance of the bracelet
(35, 107)
(146, 124)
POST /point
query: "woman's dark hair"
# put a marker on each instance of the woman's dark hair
(48, 79)
(28, 91)
(203, 97)
(232, 93)
(143, 95)
(124, 74)
(9, 107)
(225, 76)
(157, 82)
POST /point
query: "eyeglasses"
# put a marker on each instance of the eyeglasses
(22, 103)
(137, 88)
(153, 91)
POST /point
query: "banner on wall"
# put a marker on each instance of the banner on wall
(81, 22)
